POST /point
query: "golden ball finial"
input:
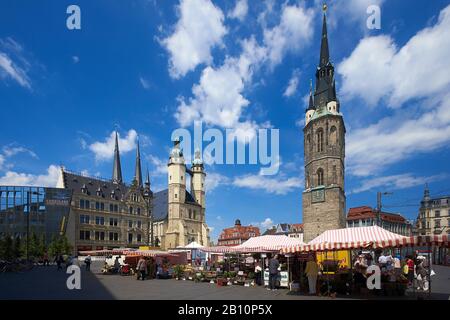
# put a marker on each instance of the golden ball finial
(325, 7)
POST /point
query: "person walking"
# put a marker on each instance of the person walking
(88, 261)
(45, 259)
(411, 265)
(142, 268)
(311, 271)
(59, 260)
(273, 272)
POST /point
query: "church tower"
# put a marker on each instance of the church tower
(324, 151)
(198, 179)
(176, 173)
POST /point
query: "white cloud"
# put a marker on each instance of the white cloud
(159, 166)
(395, 182)
(24, 179)
(396, 138)
(291, 89)
(11, 150)
(267, 223)
(199, 28)
(377, 69)
(272, 185)
(9, 68)
(75, 59)
(240, 10)
(294, 31)
(105, 150)
(396, 76)
(218, 98)
(2, 161)
(214, 180)
(145, 83)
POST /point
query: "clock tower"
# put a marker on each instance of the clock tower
(324, 151)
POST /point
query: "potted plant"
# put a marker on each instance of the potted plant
(178, 271)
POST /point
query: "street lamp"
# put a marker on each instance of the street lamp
(379, 194)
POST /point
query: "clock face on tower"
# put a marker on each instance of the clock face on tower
(318, 195)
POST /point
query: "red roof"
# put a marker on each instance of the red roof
(366, 212)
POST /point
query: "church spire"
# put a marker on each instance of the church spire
(325, 88)
(324, 51)
(147, 180)
(311, 101)
(138, 171)
(117, 169)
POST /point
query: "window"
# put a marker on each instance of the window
(102, 206)
(130, 237)
(139, 238)
(84, 219)
(100, 221)
(130, 223)
(113, 236)
(111, 208)
(87, 204)
(437, 214)
(139, 211)
(131, 210)
(333, 135)
(116, 208)
(97, 206)
(113, 222)
(85, 235)
(320, 177)
(176, 196)
(437, 223)
(139, 224)
(319, 140)
(190, 214)
(82, 203)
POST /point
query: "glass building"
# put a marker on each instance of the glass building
(37, 209)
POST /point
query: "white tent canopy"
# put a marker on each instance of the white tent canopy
(192, 245)
(268, 243)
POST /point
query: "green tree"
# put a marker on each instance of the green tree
(42, 246)
(17, 249)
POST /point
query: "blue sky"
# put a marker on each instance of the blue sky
(149, 67)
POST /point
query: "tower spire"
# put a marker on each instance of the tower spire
(138, 171)
(147, 180)
(117, 169)
(311, 101)
(324, 51)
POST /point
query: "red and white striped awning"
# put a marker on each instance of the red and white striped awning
(268, 243)
(149, 253)
(103, 252)
(364, 237)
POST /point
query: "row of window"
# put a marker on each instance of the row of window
(437, 223)
(100, 206)
(113, 222)
(112, 236)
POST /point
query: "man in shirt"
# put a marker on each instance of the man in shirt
(273, 272)
(312, 270)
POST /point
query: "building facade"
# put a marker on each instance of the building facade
(107, 213)
(434, 215)
(33, 210)
(294, 230)
(324, 151)
(236, 235)
(366, 216)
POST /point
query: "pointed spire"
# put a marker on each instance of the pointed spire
(324, 52)
(311, 101)
(138, 171)
(117, 169)
(426, 192)
(147, 180)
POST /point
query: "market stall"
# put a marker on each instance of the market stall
(242, 271)
(369, 242)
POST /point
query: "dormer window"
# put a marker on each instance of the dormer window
(84, 189)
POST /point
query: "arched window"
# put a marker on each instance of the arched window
(320, 177)
(320, 140)
(308, 142)
(333, 135)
